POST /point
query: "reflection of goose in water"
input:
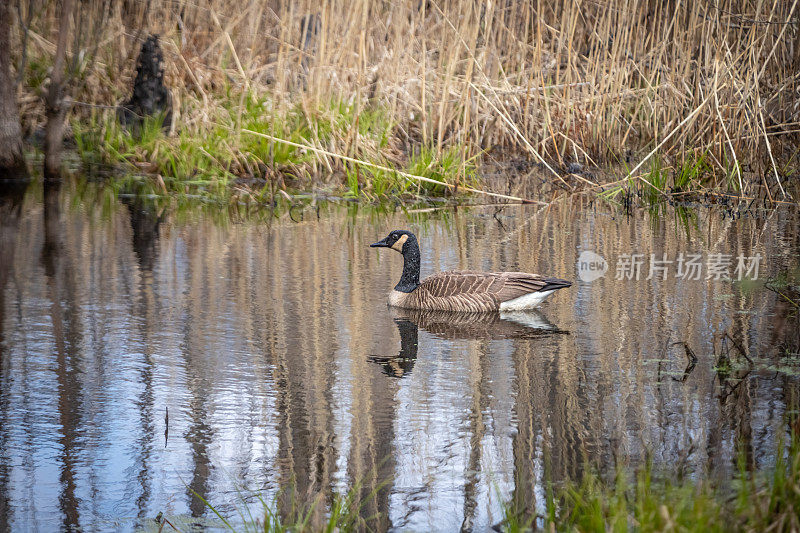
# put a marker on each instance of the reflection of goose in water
(503, 325)
(452, 325)
(399, 365)
(463, 291)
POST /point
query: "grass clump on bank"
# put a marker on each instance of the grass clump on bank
(236, 152)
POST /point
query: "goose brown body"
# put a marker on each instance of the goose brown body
(464, 291)
(473, 292)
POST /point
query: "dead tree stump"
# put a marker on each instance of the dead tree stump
(150, 96)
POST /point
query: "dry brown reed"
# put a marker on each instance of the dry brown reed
(586, 81)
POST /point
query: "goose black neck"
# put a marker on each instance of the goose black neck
(410, 278)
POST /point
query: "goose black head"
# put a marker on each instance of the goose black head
(398, 240)
(406, 243)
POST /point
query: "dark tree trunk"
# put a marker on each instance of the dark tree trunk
(55, 104)
(150, 96)
(12, 163)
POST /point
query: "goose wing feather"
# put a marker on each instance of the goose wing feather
(476, 291)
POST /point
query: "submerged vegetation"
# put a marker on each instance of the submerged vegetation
(360, 98)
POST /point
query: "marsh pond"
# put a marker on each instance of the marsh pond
(152, 358)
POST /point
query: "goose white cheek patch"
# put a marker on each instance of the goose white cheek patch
(399, 244)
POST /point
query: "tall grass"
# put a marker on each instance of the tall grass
(341, 515)
(645, 500)
(651, 501)
(590, 82)
(289, 511)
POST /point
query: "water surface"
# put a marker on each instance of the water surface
(148, 354)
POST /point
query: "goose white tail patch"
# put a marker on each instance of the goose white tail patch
(530, 318)
(527, 301)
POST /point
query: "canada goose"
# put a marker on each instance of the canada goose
(463, 291)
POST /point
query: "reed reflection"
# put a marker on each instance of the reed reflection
(12, 193)
(11, 196)
(145, 221)
(65, 316)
